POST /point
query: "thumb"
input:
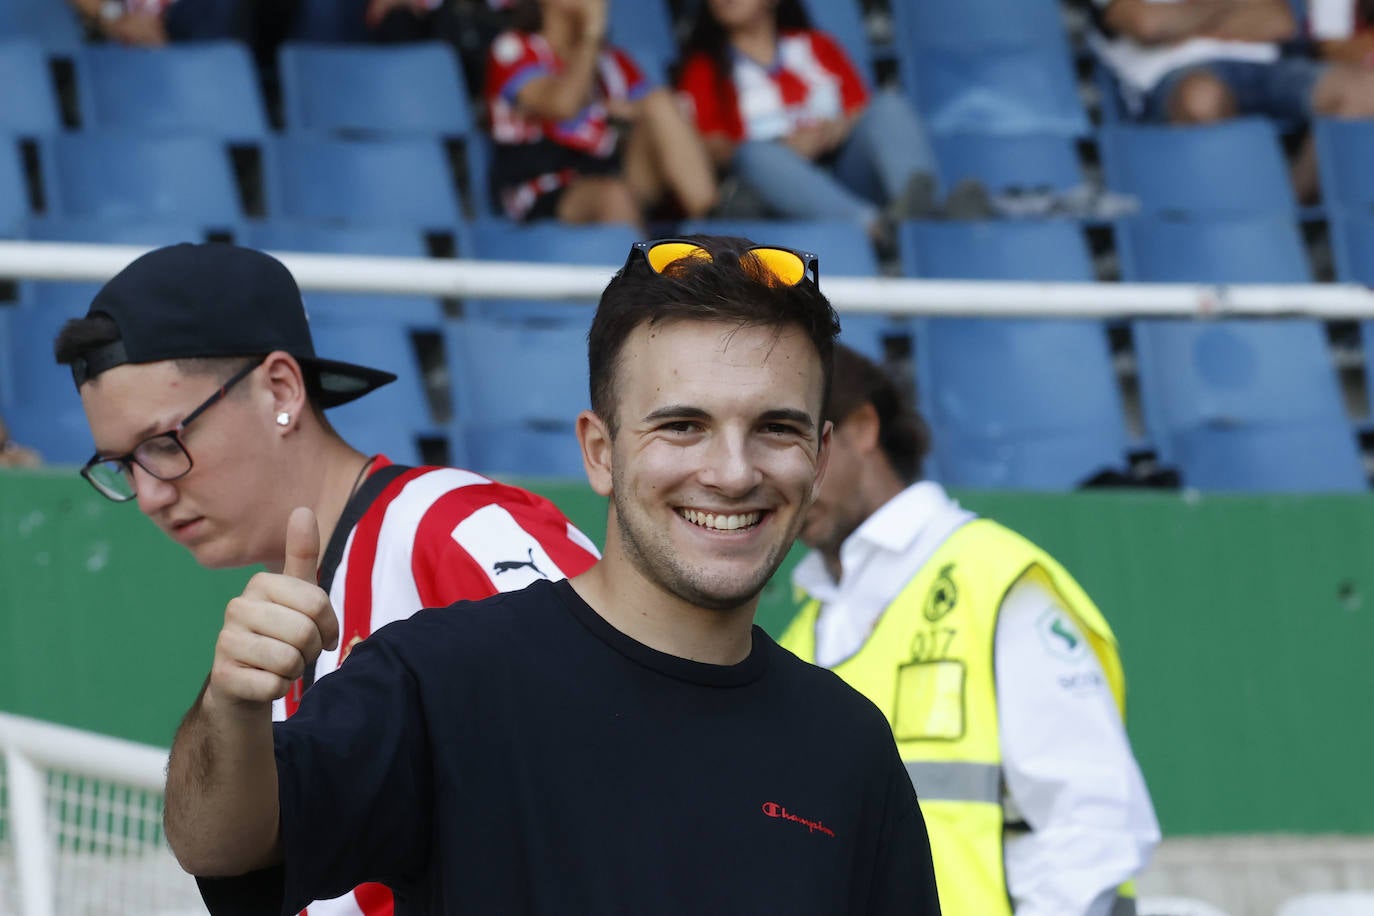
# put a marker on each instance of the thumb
(302, 545)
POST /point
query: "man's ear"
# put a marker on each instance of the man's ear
(595, 439)
(284, 383)
(861, 429)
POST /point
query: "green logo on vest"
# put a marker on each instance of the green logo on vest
(1059, 637)
(943, 596)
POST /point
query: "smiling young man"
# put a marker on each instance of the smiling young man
(206, 401)
(623, 742)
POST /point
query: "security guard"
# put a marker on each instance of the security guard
(998, 674)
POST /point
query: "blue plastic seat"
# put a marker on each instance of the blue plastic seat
(393, 182)
(28, 104)
(128, 176)
(208, 88)
(414, 312)
(1246, 404)
(54, 25)
(1344, 151)
(644, 29)
(1227, 169)
(1352, 246)
(547, 242)
(1014, 403)
(149, 233)
(517, 391)
(978, 23)
(14, 190)
(843, 21)
(1256, 249)
(1005, 162)
(410, 89)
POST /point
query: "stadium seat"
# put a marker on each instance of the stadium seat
(1329, 903)
(1352, 246)
(844, 250)
(1232, 168)
(1014, 403)
(394, 418)
(1003, 163)
(410, 89)
(207, 88)
(54, 25)
(14, 190)
(989, 66)
(1256, 249)
(413, 312)
(149, 233)
(45, 411)
(128, 176)
(547, 242)
(403, 182)
(1246, 404)
(645, 30)
(843, 21)
(517, 389)
(1344, 150)
(28, 105)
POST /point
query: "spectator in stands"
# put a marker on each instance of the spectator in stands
(784, 109)
(207, 405)
(1203, 61)
(14, 455)
(150, 23)
(581, 134)
(998, 674)
(1343, 31)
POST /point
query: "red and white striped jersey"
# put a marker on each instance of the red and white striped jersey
(811, 80)
(431, 537)
(518, 57)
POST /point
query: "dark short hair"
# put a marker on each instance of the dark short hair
(903, 434)
(731, 286)
(80, 336)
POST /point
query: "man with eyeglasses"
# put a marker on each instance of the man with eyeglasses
(206, 401)
(626, 741)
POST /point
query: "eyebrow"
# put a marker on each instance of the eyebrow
(147, 432)
(684, 412)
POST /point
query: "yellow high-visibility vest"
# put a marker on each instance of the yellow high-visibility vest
(928, 664)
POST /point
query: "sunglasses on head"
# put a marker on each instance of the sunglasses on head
(787, 266)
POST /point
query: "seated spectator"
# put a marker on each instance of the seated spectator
(1343, 30)
(1201, 61)
(150, 23)
(581, 134)
(14, 455)
(781, 105)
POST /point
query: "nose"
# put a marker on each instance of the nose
(730, 466)
(153, 495)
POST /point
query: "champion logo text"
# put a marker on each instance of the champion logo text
(773, 809)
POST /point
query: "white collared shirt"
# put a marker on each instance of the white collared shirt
(1068, 766)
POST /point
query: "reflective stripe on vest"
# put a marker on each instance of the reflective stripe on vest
(957, 782)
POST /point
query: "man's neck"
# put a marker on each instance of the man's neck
(643, 611)
(327, 476)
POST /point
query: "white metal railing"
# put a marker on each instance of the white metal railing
(80, 825)
(504, 280)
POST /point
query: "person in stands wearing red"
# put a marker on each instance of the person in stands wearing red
(581, 134)
(782, 106)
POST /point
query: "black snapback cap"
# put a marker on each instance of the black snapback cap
(211, 300)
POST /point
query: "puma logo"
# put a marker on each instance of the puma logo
(508, 565)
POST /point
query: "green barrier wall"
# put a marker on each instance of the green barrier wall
(1245, 624)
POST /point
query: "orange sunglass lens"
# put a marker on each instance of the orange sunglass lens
(665, 253)
(783, 264)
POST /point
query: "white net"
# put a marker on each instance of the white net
(107, 852)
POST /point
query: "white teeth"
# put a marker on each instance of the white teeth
(721, 522)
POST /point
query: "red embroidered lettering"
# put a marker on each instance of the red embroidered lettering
(773, 809)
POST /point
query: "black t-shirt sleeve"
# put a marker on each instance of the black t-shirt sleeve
(354, 787)
(904, 879)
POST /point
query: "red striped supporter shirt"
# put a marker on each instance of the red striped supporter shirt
(811, 80)
(431, 537)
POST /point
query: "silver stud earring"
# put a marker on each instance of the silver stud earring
(283, 418)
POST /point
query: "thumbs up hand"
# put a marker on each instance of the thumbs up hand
(278, 626)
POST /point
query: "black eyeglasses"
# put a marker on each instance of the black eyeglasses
(787, 266)
(164, 456)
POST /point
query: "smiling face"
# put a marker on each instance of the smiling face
(221, 510)
(716, 458)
